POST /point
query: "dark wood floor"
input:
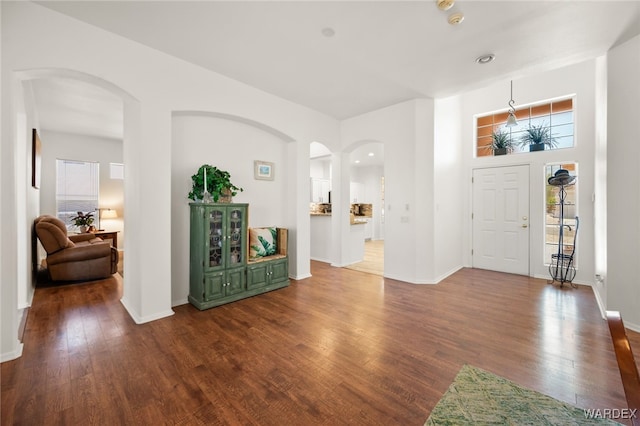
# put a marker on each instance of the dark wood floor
(343, 347)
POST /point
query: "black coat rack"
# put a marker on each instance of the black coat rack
(562, 268)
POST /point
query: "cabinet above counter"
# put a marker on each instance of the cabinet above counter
(320, 190)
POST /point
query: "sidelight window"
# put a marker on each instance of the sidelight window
(552, 213)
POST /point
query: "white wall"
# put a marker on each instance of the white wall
(579, 79)
(320, 168)
(407, 132)
(448, 201)
(231, 146)
(623, 182)
(68, 146)
(152, 85)
(27, 198)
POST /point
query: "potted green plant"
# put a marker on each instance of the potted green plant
(83, 221)
(218, 184)
(537, 137)
(501, 142)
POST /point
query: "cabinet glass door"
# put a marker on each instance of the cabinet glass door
(215, 237)
(236, 241)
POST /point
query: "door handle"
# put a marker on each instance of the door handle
(524, 225)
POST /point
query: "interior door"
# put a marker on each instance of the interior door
(500, 219)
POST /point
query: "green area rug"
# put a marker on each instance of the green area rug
(477, 397)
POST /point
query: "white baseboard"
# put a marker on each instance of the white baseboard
(15, 354)
(141, 320)
(300, 277)
(632, 326)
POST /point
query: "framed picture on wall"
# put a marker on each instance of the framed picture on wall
(36, 159)
(263, 170)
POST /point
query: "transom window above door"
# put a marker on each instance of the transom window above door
(554, 119)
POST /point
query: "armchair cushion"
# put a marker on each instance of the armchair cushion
(52, 233)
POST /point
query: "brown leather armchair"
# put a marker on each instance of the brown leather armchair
(76, 257)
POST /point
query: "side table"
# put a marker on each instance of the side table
(108, 235)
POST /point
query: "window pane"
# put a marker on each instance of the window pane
(564, 105)
(77, 186)
(562, 118)
(563, 130)
(565, 142)
(540, 110)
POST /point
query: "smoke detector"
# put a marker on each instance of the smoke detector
(456, 18)
(445, 4)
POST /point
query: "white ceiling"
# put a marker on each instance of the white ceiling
(383, 52)
(73, 106)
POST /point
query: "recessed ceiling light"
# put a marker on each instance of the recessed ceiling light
(445, 4)
(371, 154)
(328, 32)
(485, 59)
(357, 161)
(456, 18)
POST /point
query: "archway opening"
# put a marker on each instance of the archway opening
(366, 196)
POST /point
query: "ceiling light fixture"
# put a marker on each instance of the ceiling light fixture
(511, 120)
(485, 59)
(456, 18)
(371, 154)
(445, 4)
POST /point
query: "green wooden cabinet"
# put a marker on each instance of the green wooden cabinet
(267, 273)
(217, 253)
(218, 271)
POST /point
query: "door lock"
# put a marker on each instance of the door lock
(524, 225)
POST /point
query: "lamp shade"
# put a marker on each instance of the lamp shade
(108, 214)
(511, 120)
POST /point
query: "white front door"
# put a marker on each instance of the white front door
(500, 219)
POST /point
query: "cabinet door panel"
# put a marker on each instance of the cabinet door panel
(257, 275)
(213, 286)
(215, 249)
(279, 270)
(235, 281)
(236, 236)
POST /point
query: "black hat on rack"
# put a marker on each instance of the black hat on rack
(561, 178)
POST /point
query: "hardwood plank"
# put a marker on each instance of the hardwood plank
(341, 347)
